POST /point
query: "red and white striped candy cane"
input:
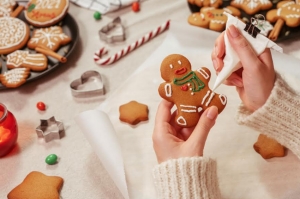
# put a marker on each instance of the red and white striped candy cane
(98, 57)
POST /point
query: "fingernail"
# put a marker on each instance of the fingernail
(237, 82)
(216, 51)
(212, 113)
(233, 31)
(215, 63)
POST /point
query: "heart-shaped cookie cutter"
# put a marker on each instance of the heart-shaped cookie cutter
(105, 31)
(86, 77)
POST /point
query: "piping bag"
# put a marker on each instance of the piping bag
(231, 59)
(101, 134)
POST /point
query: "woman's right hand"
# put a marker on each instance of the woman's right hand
(255, 79)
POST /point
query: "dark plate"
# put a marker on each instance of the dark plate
(285, 33)
(70, 28)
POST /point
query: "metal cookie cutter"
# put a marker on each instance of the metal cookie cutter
(106, 34)
(50, 129)
(90, 82)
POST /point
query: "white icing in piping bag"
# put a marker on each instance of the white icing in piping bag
(231, 59)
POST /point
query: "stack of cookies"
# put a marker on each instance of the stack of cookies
(25, 44)
(277, 20)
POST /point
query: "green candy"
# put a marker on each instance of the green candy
(97, 15)
(51, 159)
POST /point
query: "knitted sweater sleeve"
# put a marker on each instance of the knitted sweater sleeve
(278, 118)
(187, 178)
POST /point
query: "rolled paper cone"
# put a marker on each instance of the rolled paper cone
(51, 53)
(17, 11)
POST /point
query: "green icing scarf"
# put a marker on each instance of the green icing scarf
(191, 78)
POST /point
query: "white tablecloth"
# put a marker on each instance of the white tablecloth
(243, 174)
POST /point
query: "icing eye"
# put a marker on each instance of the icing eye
(171, 66)
(179, 62)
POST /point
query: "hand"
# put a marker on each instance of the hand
(255, 80)
(171, 141)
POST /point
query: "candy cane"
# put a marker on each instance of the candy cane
(98, 57)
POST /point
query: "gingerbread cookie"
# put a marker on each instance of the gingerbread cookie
(268, 147)
(288, 13)
(187, 89)
(7, 7)
(252, 7)
(14, 34)
(37, 185)
(22, 58)
(15, 77)
(133, 112)
(206, 3)
(212, 18)
(48, 38)
(41, 13)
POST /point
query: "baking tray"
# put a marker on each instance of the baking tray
(70, 28)
(285, 33)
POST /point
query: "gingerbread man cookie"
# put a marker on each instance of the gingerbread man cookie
(268, 147)
(206, 3)
(187, 89)
(252, 6)
(288, 13)
(212, 18)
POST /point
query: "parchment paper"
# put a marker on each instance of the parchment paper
(243, 174)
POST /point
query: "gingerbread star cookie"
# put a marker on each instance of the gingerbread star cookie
(22, 58)
(37, 185)
(15, 77)
(44, 13)
(48, 38)
(268, 147)
(187, 89)
(133, 112)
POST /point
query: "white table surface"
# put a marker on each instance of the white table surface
(79, 166)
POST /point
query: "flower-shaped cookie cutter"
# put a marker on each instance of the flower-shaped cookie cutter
(50, 129)
(106, 35)
(78, 87)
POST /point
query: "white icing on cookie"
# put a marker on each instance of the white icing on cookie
(223, 99)
(188, 108)
(168, 90)
(181, 121)
(203, 73)
(12, 32)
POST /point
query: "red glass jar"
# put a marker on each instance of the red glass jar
(8, 130)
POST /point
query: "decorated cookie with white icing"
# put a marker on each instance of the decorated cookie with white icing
(7, 7)
(212, 18)
(48, 38)
(187, 89)
(14, 34)
(44, 13)
(22, 58)
(252, 6)
(288, 11)
(15, 77)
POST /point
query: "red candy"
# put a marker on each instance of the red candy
(41, 106)
(135, 6)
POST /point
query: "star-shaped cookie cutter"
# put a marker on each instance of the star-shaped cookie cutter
(50, 129)
(105, 31)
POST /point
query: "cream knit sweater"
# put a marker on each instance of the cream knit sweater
(196, 177)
